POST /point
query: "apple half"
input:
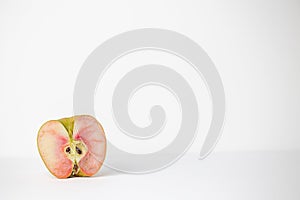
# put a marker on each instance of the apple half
(74, 146)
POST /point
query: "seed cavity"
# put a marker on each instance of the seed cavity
(75, 169)
(68, 150)
(78, 151)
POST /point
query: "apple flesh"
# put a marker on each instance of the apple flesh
(74, 146)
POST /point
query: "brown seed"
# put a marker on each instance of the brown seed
(68, 150)
(78, 151)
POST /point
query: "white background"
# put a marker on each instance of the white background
(255, 46)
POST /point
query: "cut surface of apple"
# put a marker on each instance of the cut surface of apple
(74, 146)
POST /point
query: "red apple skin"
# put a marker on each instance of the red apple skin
(74, 146)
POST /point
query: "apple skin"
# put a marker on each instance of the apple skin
(74, 146)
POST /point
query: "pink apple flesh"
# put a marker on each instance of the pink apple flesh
(74, 146)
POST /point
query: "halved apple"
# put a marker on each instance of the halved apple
(74, 146)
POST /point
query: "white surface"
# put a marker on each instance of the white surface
(232, 176)
(255, 46)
